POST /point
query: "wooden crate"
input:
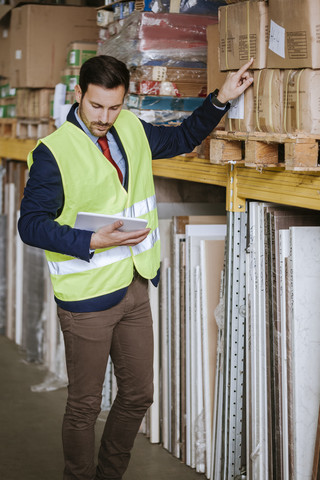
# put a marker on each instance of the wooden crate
(8, 127)
(30, 128)
(299, 152)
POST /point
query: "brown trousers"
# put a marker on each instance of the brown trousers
(125, 332)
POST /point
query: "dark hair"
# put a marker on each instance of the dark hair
(105, 71)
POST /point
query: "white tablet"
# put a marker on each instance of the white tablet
(93, 221)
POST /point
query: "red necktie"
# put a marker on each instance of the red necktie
(103, 142)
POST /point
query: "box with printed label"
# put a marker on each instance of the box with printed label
(41, 36)
(294, 34)
(240, 116)
(5, 34)
(243, 29)
(70, 78)
(301, 91)
(215, 78)
(33, 102)
(79, 52)
(3, 110)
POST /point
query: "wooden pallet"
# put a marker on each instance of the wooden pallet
(299, 152)
(34, 128)
(8, 127)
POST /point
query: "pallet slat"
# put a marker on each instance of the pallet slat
(8, 127)
(30, 128)
(294, 152)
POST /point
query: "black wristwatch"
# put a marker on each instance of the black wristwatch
(215, 101)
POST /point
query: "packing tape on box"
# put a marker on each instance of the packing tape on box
(298, 99)
(270, 101)
(248, 30)
(286, 102)
(300, 72)
(257, 102)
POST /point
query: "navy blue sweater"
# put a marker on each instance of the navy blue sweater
(44, 197)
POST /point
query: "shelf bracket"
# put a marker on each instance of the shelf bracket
(233, 202)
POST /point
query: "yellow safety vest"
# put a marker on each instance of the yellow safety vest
(91, 184)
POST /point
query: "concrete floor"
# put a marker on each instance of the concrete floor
(30, 429)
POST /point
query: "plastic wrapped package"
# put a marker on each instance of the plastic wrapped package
(197, 7)
(200, 7)
(104, 17)
(200, 442)
(161, 39)
(153, 102)
(161, 117)
(169, 74)
(151, 87)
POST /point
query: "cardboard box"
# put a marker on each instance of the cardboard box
(301, 101)
(70, 98)
(240, 117)
(5, 40)
(33, 103)
(8, 107)
(79, 52)
(215, 78)
(294, 34)
(268, 100)
(104, 17)
(70, 78)
(243, 31)
(41, 36)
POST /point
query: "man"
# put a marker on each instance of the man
(100, 278)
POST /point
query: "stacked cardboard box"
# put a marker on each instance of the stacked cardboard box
(215, 79)
(76, 54)
(242, 35)
(41, 35)
(37, 42)
(4, 40)
(33, 103)
(285, 97)
(7, 100)
(294, 47)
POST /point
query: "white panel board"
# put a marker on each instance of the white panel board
(304, 262)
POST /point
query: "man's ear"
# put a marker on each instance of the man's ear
(78, 93)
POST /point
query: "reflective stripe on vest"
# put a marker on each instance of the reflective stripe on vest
(140, 208)
(104, 258)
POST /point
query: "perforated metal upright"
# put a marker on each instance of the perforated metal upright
(233, 400)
